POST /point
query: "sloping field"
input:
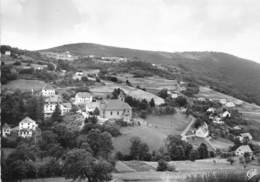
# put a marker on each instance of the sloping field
(134, 92)
(25, 85)
(150, 83)
(154, 133)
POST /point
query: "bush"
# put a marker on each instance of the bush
(162, 165)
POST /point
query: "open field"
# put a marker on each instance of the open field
(154, 134)
(221, 143)
(154, 83)
(24, 85)
(131, 91)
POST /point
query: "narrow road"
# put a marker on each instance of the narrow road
(188, 127)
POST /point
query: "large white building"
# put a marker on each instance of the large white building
(116, 109)
(82, 98)
(50, 105)
(48, 91)
(240, 151)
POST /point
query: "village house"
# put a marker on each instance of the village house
(222, 101)
(116, 109)
(8, 53)
(91, 74)
(26, 127)
(218, 120)
(6, 130)
(173, 95)
(39, 66)
(245, 137)
(48, 91)
(240, 151)
(226, 114)
(65, 107)
(211, 110)
(82, 98)
(202, 131)
(50, 104)
(230, 104)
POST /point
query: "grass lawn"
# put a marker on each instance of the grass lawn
(154, 134)
(25, 85)
(139, 166)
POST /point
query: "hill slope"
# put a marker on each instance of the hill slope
(227, 73)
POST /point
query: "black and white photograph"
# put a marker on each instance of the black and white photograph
(130, 90)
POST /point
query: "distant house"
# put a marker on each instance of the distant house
(202, 99)
(6, 130)
(82, 98)
(50, 104)
(226, 114)
(65, 107)
(230, 104)
(202, 131)
(116, 109)
(222, 101)
(172, 94)
(8, 53)
(39, 66)
(245, 136)
(211, 110)
(237, 127)
(90, 74)
(218, 120)
(240, 151)
(48, 91)
(26, 127)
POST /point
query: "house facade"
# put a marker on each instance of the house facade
(116, 109)
(82, 98)
(240, 151)
(50, 105)
(48, 91)
(26, 127)
(202, 131)
(6, 130)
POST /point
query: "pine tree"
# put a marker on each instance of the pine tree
(56, 115)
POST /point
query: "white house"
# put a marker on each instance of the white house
(240, 151)
(116, 109)
(217, 120)
(202, 131)
(6, 130)
(26, 127)
(8, 53)
(226, 114)
(244, 136)
(48, 91)
(50, 105)
(211, 110)
(230, 104)
(83, 98)
(222, 101)
(65, 107)
(173, 95)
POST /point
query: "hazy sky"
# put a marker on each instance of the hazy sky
(231, 26)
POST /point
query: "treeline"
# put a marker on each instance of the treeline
(17, 105)
(62, 152)
(175, 149)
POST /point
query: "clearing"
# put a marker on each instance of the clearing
(25, 85)
(153, 133)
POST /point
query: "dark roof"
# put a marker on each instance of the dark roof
(115, 105)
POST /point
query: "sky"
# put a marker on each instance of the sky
(231, 26)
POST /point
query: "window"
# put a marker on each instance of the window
(117, 112)
(111, 113)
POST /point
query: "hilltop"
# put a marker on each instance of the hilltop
(223, 72)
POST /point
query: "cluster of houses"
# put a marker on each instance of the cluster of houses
(218, 116)
(91, 74)
(60, 56)
(27, 128)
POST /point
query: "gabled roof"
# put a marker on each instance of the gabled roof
(115, 105)
(83, 94)
(5, 126)
(53, 99)
(66, 105)
(246, 135)
(27, 120)
(244, 148)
